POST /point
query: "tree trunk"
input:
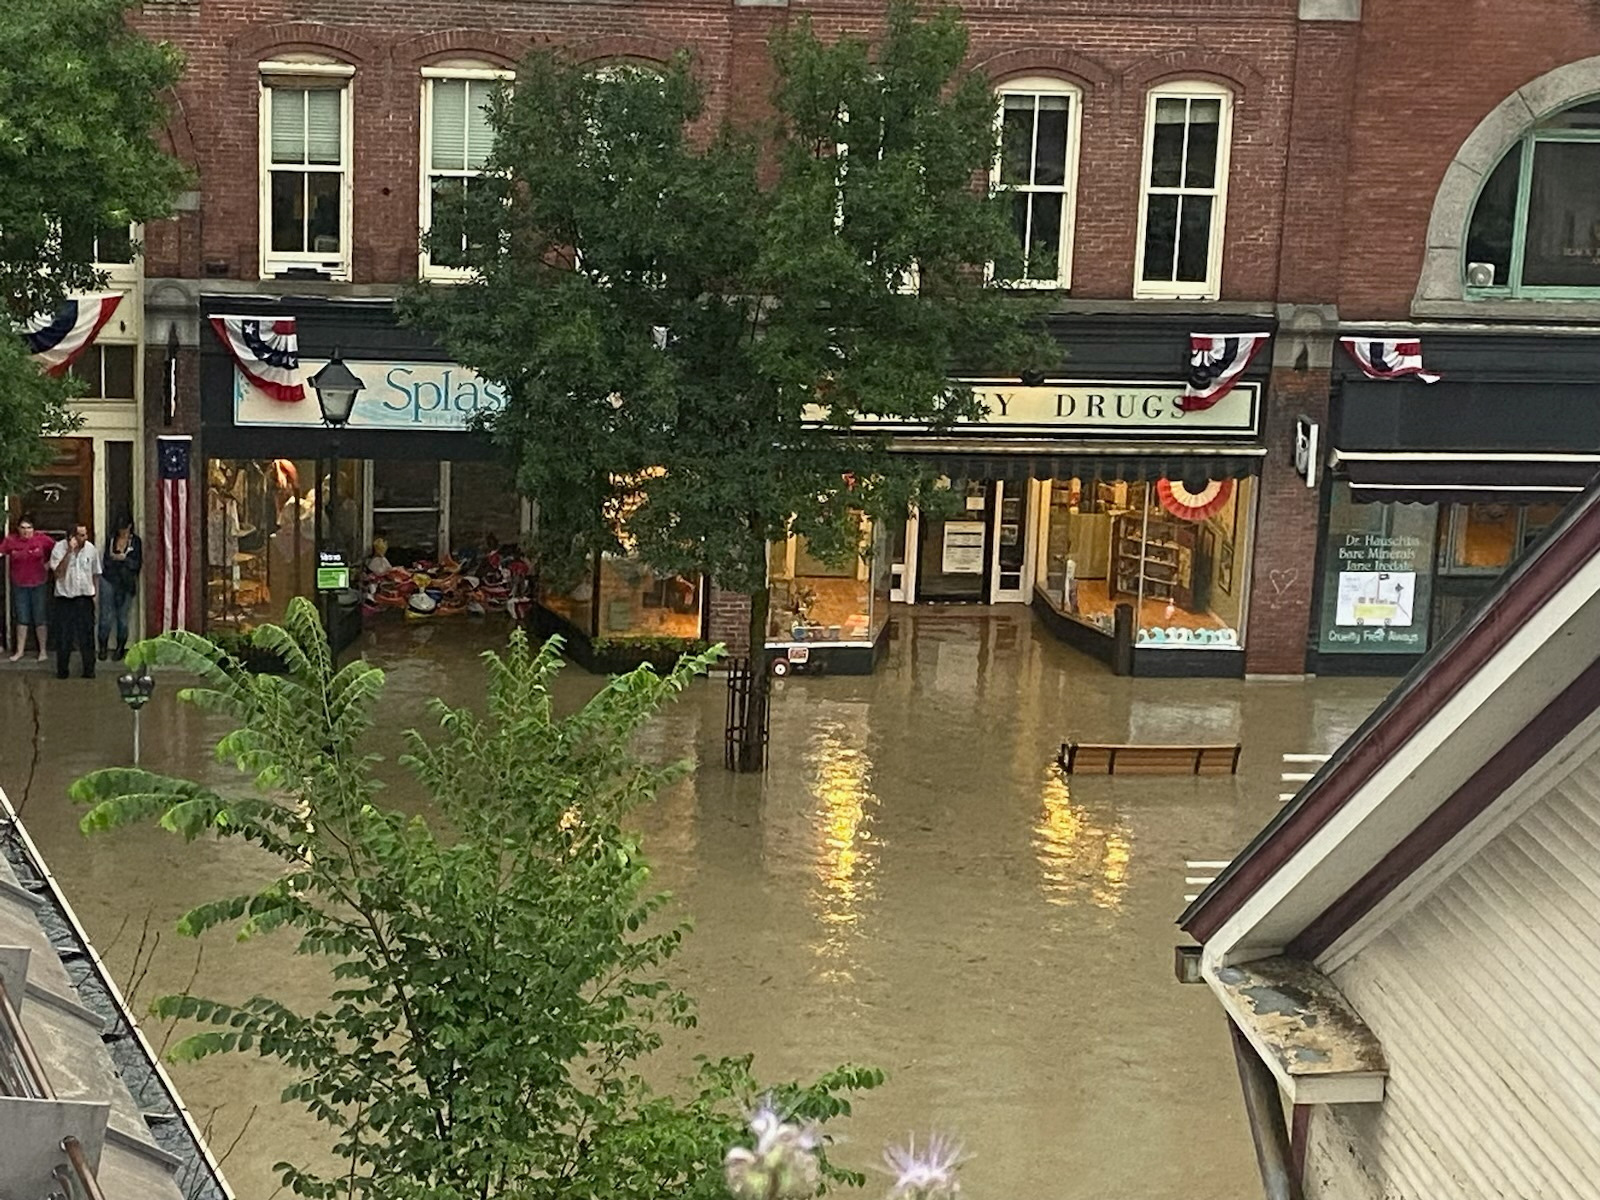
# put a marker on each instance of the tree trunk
(752, 748)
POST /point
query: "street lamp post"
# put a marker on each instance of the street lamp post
(336, 386)
(136, 691)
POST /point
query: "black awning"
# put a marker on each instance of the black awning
(1435, 478)
(1132, 467)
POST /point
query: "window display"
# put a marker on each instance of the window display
(1377, 577)
(1175, 553)
(260, 537)
(815, 601)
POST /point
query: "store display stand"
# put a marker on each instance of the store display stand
(1158, 551)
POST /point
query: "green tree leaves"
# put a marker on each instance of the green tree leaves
(80, 103)
(493, 988)
(694, 326)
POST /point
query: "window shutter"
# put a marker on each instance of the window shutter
(323, 125)
(449, 133)
(480, 136)
(288, 124)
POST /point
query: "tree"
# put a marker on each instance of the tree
(80, 103)
(493, 988)
(693, 325)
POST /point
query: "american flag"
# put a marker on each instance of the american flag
(173, 578)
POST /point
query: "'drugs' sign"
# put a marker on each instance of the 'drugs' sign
(397, 395)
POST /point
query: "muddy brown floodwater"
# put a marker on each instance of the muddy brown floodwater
(912, 885)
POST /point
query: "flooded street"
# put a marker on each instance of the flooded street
(913, 885)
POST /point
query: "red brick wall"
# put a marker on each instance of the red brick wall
(1429, 72)
(729, 621)
(1249, 46)
(1283, 561)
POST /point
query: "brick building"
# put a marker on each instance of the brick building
(1288, 167)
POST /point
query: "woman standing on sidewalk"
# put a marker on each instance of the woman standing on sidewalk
(29, 554)
(119, 584)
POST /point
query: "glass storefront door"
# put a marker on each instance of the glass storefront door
(954, 552)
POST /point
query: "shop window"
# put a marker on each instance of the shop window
(1176, 553)
(485, 509)
(456, 141)
(1485, 539)
(1184, 189)
(260, 538)
(305, 170)
(1037, 168)
(816, 601)
(1535, 228)
(1377, 581)
(106, 372)
(405, 510)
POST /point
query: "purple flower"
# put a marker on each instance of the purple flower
(781, 1166)
(926, 1175)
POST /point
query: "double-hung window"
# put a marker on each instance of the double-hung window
(305, 168)
(456, 140)
(1037, 166)
(1181, 212)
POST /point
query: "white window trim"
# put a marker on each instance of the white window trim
(124, 272)
(273, 263)
(425, 266)
(1035, 85)
(1211, 287)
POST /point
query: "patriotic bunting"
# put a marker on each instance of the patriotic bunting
(57, 341)
(1216, 360)
(1178, 500)
(1389, 359)
(267, 350)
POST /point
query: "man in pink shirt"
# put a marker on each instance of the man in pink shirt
(29, 554)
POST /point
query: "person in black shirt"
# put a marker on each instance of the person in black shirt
(119, 584)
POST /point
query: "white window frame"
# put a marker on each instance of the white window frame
(123, 272)
(1211, 287)
(1038, 85)
(471, 73)
(274, 263)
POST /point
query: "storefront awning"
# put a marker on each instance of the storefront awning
(1112, 462)
(1399, 477)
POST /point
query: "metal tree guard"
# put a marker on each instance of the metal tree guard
(748, 695)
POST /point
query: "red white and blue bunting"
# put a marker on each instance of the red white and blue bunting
(1380, 359)
(267, 350)
(57, 341)
(1216, 360)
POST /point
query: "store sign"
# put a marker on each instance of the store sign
(1120, 409)
(1378, 582)
(398, 395)
(963, 548)
(1306, 449)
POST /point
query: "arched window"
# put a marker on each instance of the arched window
(1535, 228)
(1039, 120)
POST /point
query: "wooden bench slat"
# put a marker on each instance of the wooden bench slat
(1107, 758)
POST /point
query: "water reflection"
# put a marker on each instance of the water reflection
(839, 773)
(1078, 859)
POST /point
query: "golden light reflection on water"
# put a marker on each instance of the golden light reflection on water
(841, 781)
(1078, 859)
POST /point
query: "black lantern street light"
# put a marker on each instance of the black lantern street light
(136, 691)
(336, 386)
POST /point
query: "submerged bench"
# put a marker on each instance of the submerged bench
(1095, 758)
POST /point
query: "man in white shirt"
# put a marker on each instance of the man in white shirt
(75, 566)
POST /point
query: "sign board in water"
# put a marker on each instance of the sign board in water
(333, 574)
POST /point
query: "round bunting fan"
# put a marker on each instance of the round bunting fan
(1209, 500)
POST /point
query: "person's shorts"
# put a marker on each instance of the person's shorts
(28, 605)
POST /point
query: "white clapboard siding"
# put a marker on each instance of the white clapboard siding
(1486, 997)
